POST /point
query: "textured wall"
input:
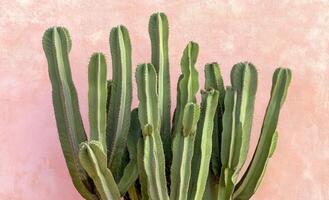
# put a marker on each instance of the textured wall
(290, 33)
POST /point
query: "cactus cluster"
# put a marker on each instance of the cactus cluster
(139, 153)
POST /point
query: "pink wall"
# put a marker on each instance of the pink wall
(293, 33)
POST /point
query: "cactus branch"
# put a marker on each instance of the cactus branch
(268, 139)
(130, 173)
(205, 129)
(94, 161)
(188, 85)
(97, 95)
(121, 94)
(159, 33)
(213, 79)
(244, 81)
(57, 44)
(153, 158)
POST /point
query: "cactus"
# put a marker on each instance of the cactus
(120, 99)
(97, 93)
(94, 161)
(184, 142)
(158, 30)
(138, 154)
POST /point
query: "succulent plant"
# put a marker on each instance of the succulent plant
(139, 153)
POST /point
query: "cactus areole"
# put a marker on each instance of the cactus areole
(147, 153)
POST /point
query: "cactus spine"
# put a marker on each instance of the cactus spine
(132, 153)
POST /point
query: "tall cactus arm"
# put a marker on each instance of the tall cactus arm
(57, 44)
(184, 152)
(209, 105)
(244, 81)
(97, 94)
(229, 149)
(94, 161)
(266, 144)
(159, 33)
(187, 88)
(121, 94)
(130, 173)
(213, 79)
(153, 159)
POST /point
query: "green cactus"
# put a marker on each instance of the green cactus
(57, 45)
(94, 161)
(97, 94)
(158, 30)
(187, 89)
(213, 79)
(138, 154)
(268, 138)
(153, 158)
(130, 174)
(204, 145)
(120, 99)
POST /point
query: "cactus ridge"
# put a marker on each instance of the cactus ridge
(268, 138)
(188, 86)
(213, 79)
(57, 45)
(94, 161)
(97, 94)
(153, 158)
(121, 97)
(144, 154)
(130, 173)
(159, 35)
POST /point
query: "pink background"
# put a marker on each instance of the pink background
(292, 33)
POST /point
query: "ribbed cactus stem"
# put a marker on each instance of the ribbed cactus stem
(97, 95)
(191, 116)
(208, 105)
(268, 138)
(213, 79)
(230, 144)
(159, 34)
(153, 158)
(244, 81)
(130, 174)
(57, 45)
(188, 86)
(120, 100)
(94, 161)
(190, 119)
